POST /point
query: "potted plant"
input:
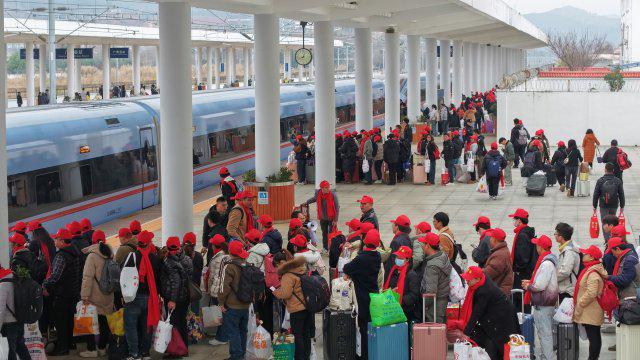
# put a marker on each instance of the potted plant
(615, 80)
(275, 196)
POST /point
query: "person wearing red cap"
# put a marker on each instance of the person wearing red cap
(20, 228)
(587, 312)
(435, 279)
(509, 155)
(624, 269)
(87, 229)
(523, 251)
(401, 229)
(98, 236)
(176, 276)
(608, 194)
(354, 231)
(481, 253)
(348, 153)
(541, 292)
(302, 248)
(487, 317)
(391, 156)
(63, 287)
(219, 249)
(492, 165)
(328, 209)
(77, 239)
(377, 152)
(498, 266)
(17, 242)
(572, 166)
(228, 186)
(258, 249)
(418, 255)
(128, 244)
(235, 311)
(363, 270)
(270, 235)
(241, 216)
(519, 138)
(197, 261)
(557, 161)
(368, 213)
(397, 276)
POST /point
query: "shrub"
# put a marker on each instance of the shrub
(615, 80)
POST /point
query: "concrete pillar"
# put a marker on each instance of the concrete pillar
(287, 63)
(457, 73)
(312, 70)
(31, 85)
(364, 69)
(413, 77)
(484, 57)
(490, 68)
(210, 66)
(135, 49)
(106, 67)
(300, 73)
(247, 65)
(43, 67)
(158, 66)
(467, 75)
(71, 72)
(175, 112)
(476, 60)
(197, 66)
(325, 103)
(216, 61)
(431, 59)
(78, 76)
(230, 68)
(4, 206)
(445, 70)
(391, 80)
(267, 95)
(251, 65)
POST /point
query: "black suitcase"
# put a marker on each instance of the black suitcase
(551, 174)
(568, 341)
(339, 335)
(536, 185)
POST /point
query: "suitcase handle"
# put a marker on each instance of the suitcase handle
(424, 306)
(513, 291)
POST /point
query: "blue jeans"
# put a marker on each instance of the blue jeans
(234, 322)
(135, 326)
(431, 177)
(452, 170)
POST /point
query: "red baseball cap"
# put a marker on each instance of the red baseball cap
(124, 232)
(355, 133)
(366, 199)
(145, 237)
(299, 241)
(223, 171)
(337, 136)
(189, 237)
(592, 251)
(494, 146)
(62, 234)
(404, 252)
(498, 234)
(265, 220)
(33, 225)
(483, 220)
(74, 228)
(424, 226)
(354, 224)
(253, 235)
(520, 213)
(473, 272)
(372, 238)
(17, 239)
(20, 226)
(173, 243)
(298, 137)
(544, 241)
(98, 236)
(615, 242)
(536, 143)
(295, 223)
(325, 184)
(539, 132)
(216, 240)
(431, 239)
(135, 227)
(365, 227)
(377, 138)
(85, 224)
(402, 220)
(619, 231)
(456, 133)
(561, 143)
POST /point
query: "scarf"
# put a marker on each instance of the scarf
(326, 200)
(248, 216)
(229, 181)
(47, 257)
(364, 140)
(587, 265)
(402, 272)
(4, 272)
(145, 273)
(617, 265)
(515, 239)
(527, 294)
(467, 306)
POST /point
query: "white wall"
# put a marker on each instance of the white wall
(574, 84)
(567, 115)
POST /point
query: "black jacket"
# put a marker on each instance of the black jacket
(422, 146)
(370, 217)
(515, 134)
(557, 160)
(611, 156)
(363, 271)
(156, 265)
(431, 151)
(66, 274)
(335, 250)
(229, 191)
(401, 239)
(454, 120)
(349, 150)
(458, 145)
(492, 316)
(176, 273)
(492, 154)
(574, 156)
(274, 239)
(598, 196)
(537, 160)
(198, 264)
(391, 151)
(304, 152)
(481, 253)
(412, 297)
(448, 152)
(525, 255)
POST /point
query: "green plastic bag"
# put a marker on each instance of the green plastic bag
(385, 309)
(282, 350)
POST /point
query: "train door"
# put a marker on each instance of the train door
(148, 166)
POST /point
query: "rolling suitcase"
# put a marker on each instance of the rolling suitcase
(339, 334)
(536, 185)
(568, 341)
(419, 174)
(551, 174)
(627, 344)
(388, 342)
(429, 339)
(526, 324)
(583, 188)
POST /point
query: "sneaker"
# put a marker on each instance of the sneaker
(378, 181)
(88, 354)
(214, 342)
(102, 352)
(134, 358)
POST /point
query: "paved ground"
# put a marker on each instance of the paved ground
(464, 205)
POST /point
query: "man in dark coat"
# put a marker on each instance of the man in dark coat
(228, 186)
(368, 213)
(391, 155)
(448, 154)
(270, 235)
(492, 165)
(608, 193)
(348, 151)
(523, 252)
(401, 230)
(519, 138)
(611, 156)
(339, 142)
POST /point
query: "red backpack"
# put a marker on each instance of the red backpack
(608, 300)
(271, 277)
(623, 160)
(436, 153)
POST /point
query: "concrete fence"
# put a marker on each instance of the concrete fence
(567, 115)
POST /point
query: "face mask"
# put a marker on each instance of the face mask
(400, 262)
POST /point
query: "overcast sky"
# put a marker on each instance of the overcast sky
(600, 7)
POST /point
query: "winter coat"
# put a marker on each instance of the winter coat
(435, 280)
(313, 259)
(379, 152)
(458, 145)
(587, 309)
(273, 239)
(216, 270)
(401, 239)
(229, 189)
(124, 250)
(611, 156)
(349, 150)
(290, 289)
(627, 275)
(431, 150)
(176, 274)
(491, 155)
(509, 152)
(589, 147)
(391, 151)
(446, 241)
(412, 297)
(422, 146)
(515, 134)
(525, 254)
(97, 254)
(574, 157)
(197, 262)
(568, 268)
(66, 274)
(367, 150)
(597, 192)
(448, 152)
(257, 254)
(6, 301)
(370, 217)
(498, 268)
(418, 253)
(363, 271)
(544, 287)
(557, 160)
(493, 316)
(323, 205)
(237, 224)
(481, 253)
(229, 284)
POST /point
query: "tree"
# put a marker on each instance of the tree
(615, 80)
(15, 65)
(578, 51)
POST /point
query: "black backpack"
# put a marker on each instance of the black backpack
(628, 312)
(251, 284)
(315, 291)
(609, 192)
(27, 299)
(110, 277)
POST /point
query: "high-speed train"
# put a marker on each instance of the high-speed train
(100, 159)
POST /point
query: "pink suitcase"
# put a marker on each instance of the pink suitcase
(429, 339)
(419, 176)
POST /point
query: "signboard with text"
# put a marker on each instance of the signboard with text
(36, 54)
(119, 53)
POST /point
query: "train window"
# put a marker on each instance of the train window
(48, 188)
(17, 193)
(85, 177)
(114, 172)
(112, 121)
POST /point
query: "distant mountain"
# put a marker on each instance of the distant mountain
(569, 18)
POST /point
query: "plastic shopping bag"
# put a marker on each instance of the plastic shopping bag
(462, 350)
(286, 322)
(33, 341)
(345, 258)
(594, 226)
(162, 335)
(342, 297)
(195, 327)
(365, 166)
(4, 348)
(564, 312)
(251, 325)
(211, 316)
(385, 309)
(176, 347)
(85, 321)
(457, 291)
(482, 185)
(517, 348)
(478, 353)
(471, 166)
(129, 280)
(283, 346)
(116, 322)
(259, 347)
(621, 220)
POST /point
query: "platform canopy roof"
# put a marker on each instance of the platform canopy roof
(480, 21)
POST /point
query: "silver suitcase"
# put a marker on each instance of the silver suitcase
(583, 188)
